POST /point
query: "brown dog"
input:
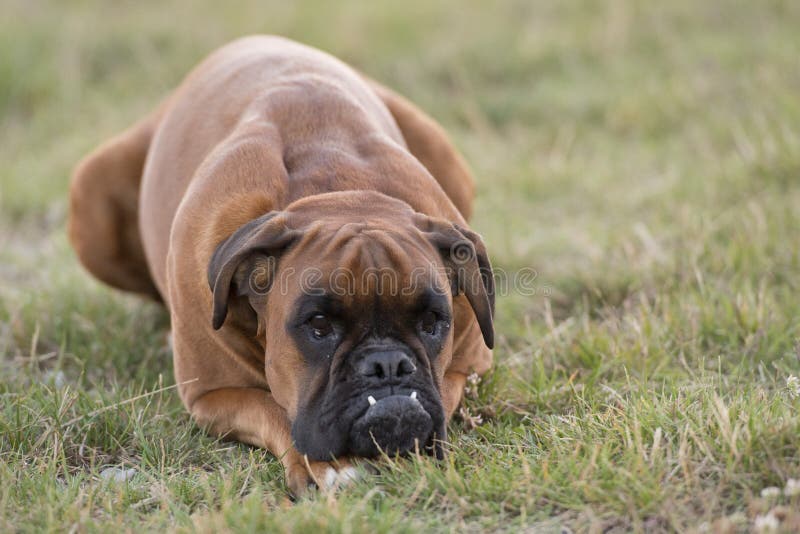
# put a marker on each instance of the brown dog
(305, 226)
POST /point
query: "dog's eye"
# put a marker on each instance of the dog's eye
(320, 325)
(428, 322)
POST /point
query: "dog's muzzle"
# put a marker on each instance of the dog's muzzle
(393, 425)
(395, 421)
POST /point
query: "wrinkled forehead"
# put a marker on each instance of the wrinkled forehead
(361, 261)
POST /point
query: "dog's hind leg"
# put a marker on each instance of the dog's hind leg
(429, 143)
(104, 209)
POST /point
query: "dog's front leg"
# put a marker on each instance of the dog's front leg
(251, 415)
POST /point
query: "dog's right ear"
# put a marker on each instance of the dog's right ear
(245, 263)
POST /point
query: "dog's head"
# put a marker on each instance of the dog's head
(351, 295)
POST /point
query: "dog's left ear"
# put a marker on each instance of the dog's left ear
(242, 267)
(468, 268)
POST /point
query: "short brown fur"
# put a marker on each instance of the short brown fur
(258, 126)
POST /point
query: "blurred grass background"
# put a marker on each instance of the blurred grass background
(643, 158)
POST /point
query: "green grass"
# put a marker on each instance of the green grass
(643, 158)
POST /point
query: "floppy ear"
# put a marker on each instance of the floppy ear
(468, 266)
(245, 263)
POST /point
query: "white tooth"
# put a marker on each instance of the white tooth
(413, 395)
(371, 400)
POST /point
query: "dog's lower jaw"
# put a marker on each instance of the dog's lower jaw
(391, 425)
(394, 425)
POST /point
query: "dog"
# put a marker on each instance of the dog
(306, 228)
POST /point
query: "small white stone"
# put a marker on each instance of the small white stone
(766, 523)
(770, 492)
(371, 400)
(413, 395)
(57, 378)
(117, 474)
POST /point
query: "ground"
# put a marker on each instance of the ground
(637, 168)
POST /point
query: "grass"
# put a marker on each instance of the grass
(642, 158)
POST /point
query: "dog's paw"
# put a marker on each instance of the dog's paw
(303, 475)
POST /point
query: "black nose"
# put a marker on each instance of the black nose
(386, 365)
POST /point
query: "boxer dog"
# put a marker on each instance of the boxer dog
(306, 228)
